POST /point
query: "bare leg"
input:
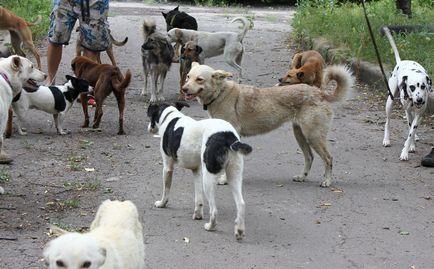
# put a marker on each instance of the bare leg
(54, 56)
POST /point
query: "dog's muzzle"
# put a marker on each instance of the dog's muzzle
(152, 129)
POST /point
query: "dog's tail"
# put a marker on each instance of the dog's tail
(246, 26)
(123, 83)
(35, 22)
(118, 43)
(392, 43)
(344, 80)
(149, 27)
(243, 148)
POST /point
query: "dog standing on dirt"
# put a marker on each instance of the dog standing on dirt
(229, 44)
(109, 50)
(14, 72)
(209, 148)
(157, 54)
(189, 54)
(115, 241)
(105, 79)
(56, 100)
(306, 67)
(179, 19)
(254, 111)
(20, 32)
(414, 84)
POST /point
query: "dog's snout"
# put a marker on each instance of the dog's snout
(184, 90)
(280, 79)
(419, 100)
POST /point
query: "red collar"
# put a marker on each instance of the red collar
(5, 77)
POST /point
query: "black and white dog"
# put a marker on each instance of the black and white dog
(179, 19)
(414, 85)
(56, 100)
(209, 148)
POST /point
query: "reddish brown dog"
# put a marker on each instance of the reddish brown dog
(105, 79)
(306, 67)
(189, 54)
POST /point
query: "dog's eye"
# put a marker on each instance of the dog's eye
(86, 264)
(199, 79)
(60, 263)
(412, 88)
(423, 87)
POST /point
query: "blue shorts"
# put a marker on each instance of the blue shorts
(93, 22)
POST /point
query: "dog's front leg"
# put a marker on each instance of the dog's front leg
(198, 195)
(83, 99)
(154, 86)
(386, 139)
(167, 183)
(58, 124)
(410, 138)
(410, 119)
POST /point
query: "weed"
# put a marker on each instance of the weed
(84, 144)
(26, 144)
(72, 203)
(93, 185)
(75, 162)
(4, 175)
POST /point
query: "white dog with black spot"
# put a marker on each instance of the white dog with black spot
(209, 148)
(414, 86)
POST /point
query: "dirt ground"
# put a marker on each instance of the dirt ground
(378, 213)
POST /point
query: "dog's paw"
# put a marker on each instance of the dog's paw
(161, 98)
(326, 183)
(161, 204)
(197, 215)
(209, 226)
(222, 180)
(412, 148)
(239, 232)
(299, 178)
(153, 99)
(386, 143)
(61, 132)
(121, 132)
(22, 132)
(404, 155)
(143, 92)
(416, 137)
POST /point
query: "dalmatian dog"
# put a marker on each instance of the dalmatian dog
(414, 86)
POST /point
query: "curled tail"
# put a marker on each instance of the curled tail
(149, 27)
(344, 80)
(120, 84)
(243, 148)
(392, 43)
(35, 22)
(118, 43)
(246, 26)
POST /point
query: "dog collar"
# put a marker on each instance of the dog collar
(5, 77)
(205, 106)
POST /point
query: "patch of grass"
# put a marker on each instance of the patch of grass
(26, 144)
(74, 162)
(72, 203)
(92, 185)
(4, 176)
(84, 144)
(344, 25)
(271, 18)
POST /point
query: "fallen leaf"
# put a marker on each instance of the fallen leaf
(338, 190)
(326, 204)
(279, 185)
(186, 240)
(90, 169)
(404, 233)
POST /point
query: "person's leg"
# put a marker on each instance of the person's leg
(428, 160)
(54, 55)
(90, 54)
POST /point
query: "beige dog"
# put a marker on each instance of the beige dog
(20, 32)
(254, 111)
(306, 67)
(115, 241)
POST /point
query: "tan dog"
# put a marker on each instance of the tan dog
(105, 79)
(189, 54)
(79, 48)
(20, 32)
(115, 241)
(306, 67)
(254, 111)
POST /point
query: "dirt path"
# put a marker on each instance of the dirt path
(378, 213)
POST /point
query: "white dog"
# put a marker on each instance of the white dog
(56, 100)
(115, 241)
(209, 148)
(229, 44)
(414, 85)
(14, 72)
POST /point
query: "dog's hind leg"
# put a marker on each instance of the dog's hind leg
(198, 195)
(319, 144)
(154, 86)
(209, 184)
(58, 123)
(231, 59)
(234, 173)
(307, 152)
(120, 97)
(167, 183)
(160, 96)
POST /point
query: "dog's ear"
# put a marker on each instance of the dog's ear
(176, 8)
(194, 64)
(179, 105)
(103, 254)
(198, 49)
(300, 75)
(221, 74)
(429, 81)
(16, 63)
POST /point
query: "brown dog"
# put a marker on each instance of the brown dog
(189, 54)
(105, 79)
(306, 67)
(20, 32)
(109, 50)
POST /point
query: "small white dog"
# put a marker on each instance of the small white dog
(115, 241)
(414, 85)
(209, 148)
(56, 100)
(229, 44)
(14, 72)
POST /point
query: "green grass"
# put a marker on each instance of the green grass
(29, 10)
(91, 185)
(4, 176)
(344, 26)
(71, 203)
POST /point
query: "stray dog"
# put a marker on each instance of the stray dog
(20, 32)
(115, 240)
(56, 100)
(157, 54)
(254, 111)
(105, 79)
(5, 44)
(414, 84)
(209, 148)
(306, 67)
(113, 41)
(14, 72)
(179, 19)
(189, 54)
(213, 44)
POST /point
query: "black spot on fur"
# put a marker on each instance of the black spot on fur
(154, 113)
(78, 86)
(216, 152)
(172, 139)
(59, 99)
(412, 88)
(415, 127)
(418, 71)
